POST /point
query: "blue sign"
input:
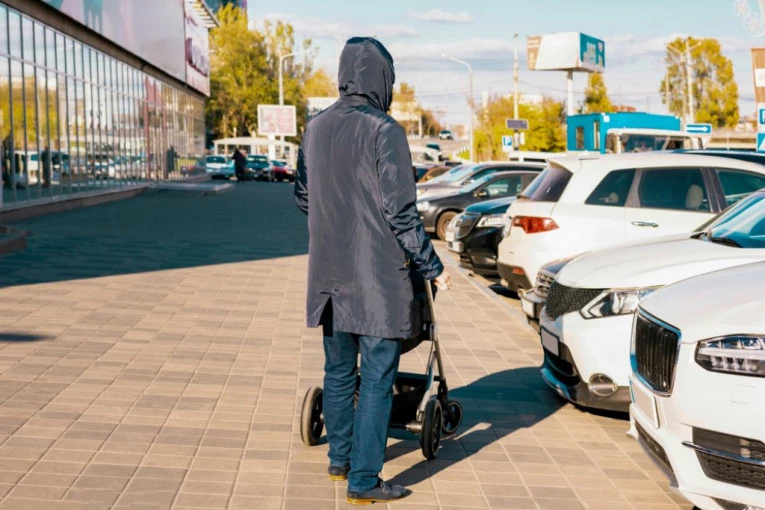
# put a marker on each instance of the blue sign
(507, 141)
(592, 53)
(518, 124)
(760, 142)
(699, 129)
(761, 116)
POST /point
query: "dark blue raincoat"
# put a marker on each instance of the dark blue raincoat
(355, 183)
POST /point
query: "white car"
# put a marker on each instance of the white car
(591, 201)
(219, 166)
(587, 320)
(698, 386)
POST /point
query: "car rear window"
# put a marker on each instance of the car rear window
(548, 186)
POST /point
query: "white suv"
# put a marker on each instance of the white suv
(587, 320)
(591, 201)
(698, 386)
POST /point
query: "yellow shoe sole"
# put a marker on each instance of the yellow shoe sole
(354, 501)
(338, 478)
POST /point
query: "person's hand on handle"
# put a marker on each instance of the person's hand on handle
(444, 281)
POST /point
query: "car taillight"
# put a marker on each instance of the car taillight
(534, 224)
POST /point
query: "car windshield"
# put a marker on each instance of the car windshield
(457, 169)
(453, 177)
(742, 226)
(475, 184)
(258, 159)
(645, 143)
(216, 159)
(548, 186)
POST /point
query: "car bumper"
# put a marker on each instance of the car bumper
(532, 304)
(514, 278)
(592, 366)
(480, 249)
(664, 428)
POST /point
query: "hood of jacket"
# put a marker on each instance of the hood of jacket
(366, 70)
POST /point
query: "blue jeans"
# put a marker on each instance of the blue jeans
(358, 438)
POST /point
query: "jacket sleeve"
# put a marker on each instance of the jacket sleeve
(301, 183)
(394, 170)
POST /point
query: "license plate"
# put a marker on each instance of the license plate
(550, 342)
(449, 236)
(645, 401)
(528, 307)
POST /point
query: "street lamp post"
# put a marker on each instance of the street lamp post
(686, 55)
(281, 92)
(515, 77)
(470, 102)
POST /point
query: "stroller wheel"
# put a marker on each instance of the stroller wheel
(431, 428)
(452, 417)
(311, 417)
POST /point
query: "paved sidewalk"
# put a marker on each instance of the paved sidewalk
(153, 355)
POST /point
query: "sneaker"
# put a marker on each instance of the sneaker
(337, 473)
(382, 493)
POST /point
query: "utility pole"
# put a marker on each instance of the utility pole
(471, 101)
(515, 78)
(281, 93)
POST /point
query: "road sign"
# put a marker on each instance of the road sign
(507, 143)
(760, 142)
(699, 129)
(517, 124)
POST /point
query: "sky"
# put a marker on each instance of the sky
(419, 32)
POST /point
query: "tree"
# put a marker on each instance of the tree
(596, 98)
(545, 132)
(244, 72)
(319, 84)
(714, 89)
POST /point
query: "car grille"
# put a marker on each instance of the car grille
(562, 300)
(465, 224)
(654, 447)
(656, 349)
(732, 471)
(544, 280)
(739, 460)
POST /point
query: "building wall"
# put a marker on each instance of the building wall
(83, 116)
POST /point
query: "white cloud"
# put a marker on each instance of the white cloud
(630, 49)
(439, 16)
(316, 28)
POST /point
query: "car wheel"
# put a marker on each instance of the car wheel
(443, 222)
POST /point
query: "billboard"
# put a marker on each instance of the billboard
(197, 53)
(567, 51)
(316, 105)
(150, 29)
(276, 120)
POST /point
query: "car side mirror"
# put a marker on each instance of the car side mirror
(482, 194)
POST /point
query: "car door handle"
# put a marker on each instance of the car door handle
(646, 224)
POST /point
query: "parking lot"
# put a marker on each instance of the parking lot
(153, 354)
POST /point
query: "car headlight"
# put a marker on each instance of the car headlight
(508, 226)
(493, 220)
(615, 302)
(423, 206)
(420, 191)
(740, 354)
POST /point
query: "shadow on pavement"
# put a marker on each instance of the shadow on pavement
(160, 230)
(505, 402)
(20, 337)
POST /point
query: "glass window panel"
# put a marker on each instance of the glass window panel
(39, 44)
(14, 33)
(5, 133)
(4, 30)
(19, 176)
(62, 114)
(60, 53)
(78, 68)
(32, 104)
(27, 38)
(50, 48)
(44, 143)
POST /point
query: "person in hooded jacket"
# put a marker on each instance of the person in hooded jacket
(355, 183)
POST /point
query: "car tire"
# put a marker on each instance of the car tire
(443, 222)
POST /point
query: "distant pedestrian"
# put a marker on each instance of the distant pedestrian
(240, 164)
(355, 181)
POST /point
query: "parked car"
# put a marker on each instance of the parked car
(698, 386)
(476, 233)
(280, 171)
(457, 177)
(445, 135)
(591, 201)
(219, 167)
(532, 301)
(434, 150)
(587, 320)
(420, 170)
(259, 167)
(433, 172)
(437, 212)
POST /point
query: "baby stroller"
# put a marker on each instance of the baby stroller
(418, 406)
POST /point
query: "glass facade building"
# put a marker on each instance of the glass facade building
(75, 119)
